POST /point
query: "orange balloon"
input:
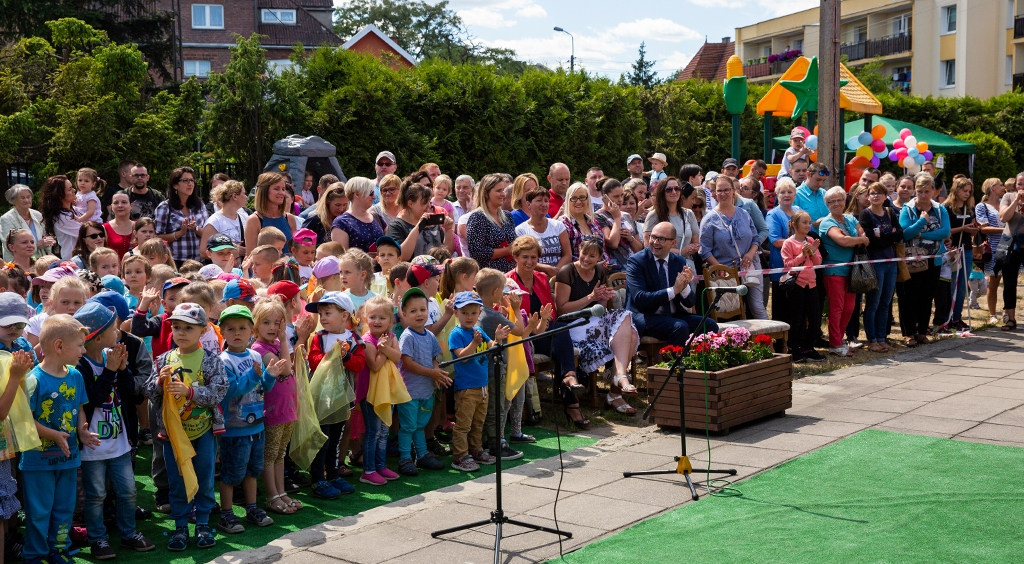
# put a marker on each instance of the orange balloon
(814, 156)
(922, 146)
(815, 129)
(878, 131)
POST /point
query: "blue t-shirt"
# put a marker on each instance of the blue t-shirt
(811, 202)
(243, 403)
(21, 344)
(837, 253)
(55, 402)
(468, 373)
(519, 216)
(423, 348)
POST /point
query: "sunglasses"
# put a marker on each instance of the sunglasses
(384, 163)
(824, 173)
(15, 326)
(96, 236)
(672, 189)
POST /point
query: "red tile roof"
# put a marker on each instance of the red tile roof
(308, 31)
(709, 62)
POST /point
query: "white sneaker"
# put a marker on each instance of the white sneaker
(854, 345)
(839, 351)
(993, 320)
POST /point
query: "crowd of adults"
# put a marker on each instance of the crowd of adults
(561, 243)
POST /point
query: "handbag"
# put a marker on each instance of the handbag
(915, 265)
(902, 272)
(750, 279)
(862, 276)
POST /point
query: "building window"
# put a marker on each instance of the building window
(798, 44)
(1009, 70)
(1010, 15)
(860, 34)
(207, 16)
(948, 79)
(199, 69)
(901, 25)
(766, 50)
(949, 19)
(275, 16)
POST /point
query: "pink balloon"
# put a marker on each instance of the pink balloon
(878, 146)
(898, 144)
(875, 162)
(904, 133)
(927, 155)
(901, 154)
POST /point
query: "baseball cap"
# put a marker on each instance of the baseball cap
(797, 132)
(659, 157)
(304, 237)
(730, 162)
(387, 154)
(412, 293)
(13, 309)
(210, 272)
(227, 276)
(418, 274)
(430, 263)
(95, 317)
(175, 282)
(327, 266)
(113, 283)
(189, 313)
(711, 176)
(54, 274)
(385, 240)
(113, 301)
(219, 242)
(337, 298)
(630, 158)
(240, 289)
(236, 311)
(463, 299)
(284, 288)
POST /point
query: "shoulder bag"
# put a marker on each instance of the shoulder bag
(862, 276)
(900, 248)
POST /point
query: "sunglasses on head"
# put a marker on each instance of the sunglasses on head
(824, 173)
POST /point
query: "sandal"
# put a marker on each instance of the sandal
(628, 388)
(575, 384)
(278, 505)
(344, 471)
(582, 421)
(623, 407)
(911, 342)
(1010, 325)
(876, 347)
(923, 340)
(293, 503)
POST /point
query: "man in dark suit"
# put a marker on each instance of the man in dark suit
(658, 290)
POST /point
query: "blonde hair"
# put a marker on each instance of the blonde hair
(130, 259)
(923, 179)
(60, 327)
(444, 179)
(362, 261)
(224, 192)
(390, 179)
(489, 279)
(190, 266)
(217, 287)
(453, 268)
(69, 283)
(525, 243)
(382, 304)
(97, 255)
(334, 191)
(263, 184)
(486, 184)
(785, 183)
(43, 264)
(267, 249)
(266, 307)
(156, 246)
(519, 188)
(198, 292)
(160, 273)
(795, 219)
(333, 248)
(569, 195)
(270, 235)
(358, 185)
(986, 188)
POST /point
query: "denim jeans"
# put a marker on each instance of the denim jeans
(95, 474)
(375, 439)
(413, 417)
(876, 303)
(203, 463)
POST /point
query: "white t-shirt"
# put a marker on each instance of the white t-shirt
(329, 339)
(82, 204)
(597, 202)
(550, 242)
(229, 227)
(305, 273)
(209, 340)
(107, 422)
(464, 220)
(67, 234)
(35, 324)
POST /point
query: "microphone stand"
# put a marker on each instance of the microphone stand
(498, 516)
(683, 465)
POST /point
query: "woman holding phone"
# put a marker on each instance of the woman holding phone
(620, 231)
(416, 228)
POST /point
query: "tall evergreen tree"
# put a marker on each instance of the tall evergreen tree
(643, 73)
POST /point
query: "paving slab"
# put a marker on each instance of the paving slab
(995, 432)
(910, 422)
(377, 544)
(972, 408)
(598, 512)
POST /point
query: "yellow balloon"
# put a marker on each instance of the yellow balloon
(922, 146)
(865, 151)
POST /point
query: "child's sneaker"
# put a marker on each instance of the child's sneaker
(343, 487)
(524, 438)
(179, 540)
(204, 537)
(484, 457)
(508, 453)
(138, 542)
(230, 524)
(407, 467)
(373, 478)
(388, 474)
(438, 448)
(324, 490)
(101, 550)
(258, 517)
(430, 462)
(162, 504)
(465, 463)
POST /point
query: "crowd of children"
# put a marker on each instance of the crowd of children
(205, 362)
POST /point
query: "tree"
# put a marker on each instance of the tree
(643, 74)
(872, 77)
(424, 30)
(124, 21)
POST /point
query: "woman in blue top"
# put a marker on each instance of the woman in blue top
(840, 233)
(925, 225)
(270, 209)
(778, 231)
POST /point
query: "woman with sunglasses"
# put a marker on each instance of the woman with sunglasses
(388, 208)
(579, 223)
(179, 218)
(669, 206)
(90, 237)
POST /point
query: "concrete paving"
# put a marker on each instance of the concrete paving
(967, 389)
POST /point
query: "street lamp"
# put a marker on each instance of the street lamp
(572, 42)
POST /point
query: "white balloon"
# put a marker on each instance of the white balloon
(914, 168)
(910, 142)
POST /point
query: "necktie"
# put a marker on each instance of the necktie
(663, 273)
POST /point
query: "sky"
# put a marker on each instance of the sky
(608, 33)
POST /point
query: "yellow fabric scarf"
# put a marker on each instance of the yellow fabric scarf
(332, 389)
(182, 447)
(517, 372)
(387, 389)
(19, 420)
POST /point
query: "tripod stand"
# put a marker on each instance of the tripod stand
(498, 517)
(683, 465)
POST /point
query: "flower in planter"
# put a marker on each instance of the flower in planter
(773, 58)
(718, 351)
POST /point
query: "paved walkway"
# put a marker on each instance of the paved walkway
(970, 389)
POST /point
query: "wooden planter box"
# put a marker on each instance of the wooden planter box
(735, 395)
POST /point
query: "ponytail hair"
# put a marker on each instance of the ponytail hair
(453, 268)
(90, 173)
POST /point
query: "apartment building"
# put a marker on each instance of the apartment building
(928, 47)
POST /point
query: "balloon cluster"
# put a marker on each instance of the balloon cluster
(810, 141)
(870, 145)
(909, 153)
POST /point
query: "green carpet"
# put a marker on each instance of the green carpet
(315, 510)
(873, 497)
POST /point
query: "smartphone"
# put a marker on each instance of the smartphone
(434, 219)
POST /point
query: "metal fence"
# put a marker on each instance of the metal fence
(880, 47)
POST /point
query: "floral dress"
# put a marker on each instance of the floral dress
(594, 338)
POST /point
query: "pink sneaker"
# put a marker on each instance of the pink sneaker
(373, 478)
(388, 474)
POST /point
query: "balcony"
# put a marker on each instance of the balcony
(1018, 27)
(767, 69)
(881, 47)
(1018, 81)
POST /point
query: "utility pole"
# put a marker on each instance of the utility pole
(830, 128)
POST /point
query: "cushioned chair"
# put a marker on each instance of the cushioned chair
(730, 307)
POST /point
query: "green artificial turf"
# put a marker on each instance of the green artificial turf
(873, 497)
(316, 510)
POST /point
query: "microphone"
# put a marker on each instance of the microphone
(595, 311)
(738, 290)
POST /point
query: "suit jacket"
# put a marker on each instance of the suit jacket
(646, 292)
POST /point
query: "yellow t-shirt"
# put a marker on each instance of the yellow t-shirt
(188, 368)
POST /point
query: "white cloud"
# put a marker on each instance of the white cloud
(492, 13)
(664, 29)
(485, 17)
(718, 3)
(771, 8)
(532, 11)
(675, 61)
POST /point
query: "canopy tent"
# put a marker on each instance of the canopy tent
(295, 155)
(937, 142)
